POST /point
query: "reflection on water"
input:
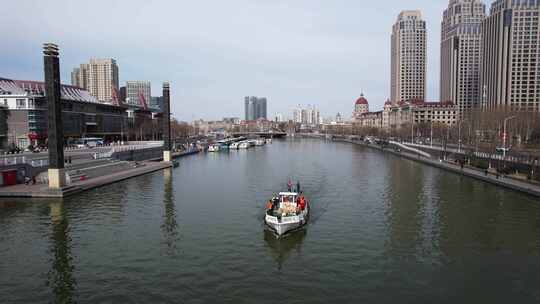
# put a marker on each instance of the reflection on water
(170, 224)
(405, 209)
(60, 277)
(282, 248)
(383, 228)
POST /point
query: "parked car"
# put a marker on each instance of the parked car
(501, 150)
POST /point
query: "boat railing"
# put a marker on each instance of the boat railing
(290, 219)
(272, 219)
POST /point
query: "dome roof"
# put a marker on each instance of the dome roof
(361, 100)
(388, 103)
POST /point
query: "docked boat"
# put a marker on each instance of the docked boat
(268, 141)
(260, 142)
(234, 146)
(287, 213)
(245, 145)
(213, 148)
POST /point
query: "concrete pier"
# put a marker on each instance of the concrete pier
(44, 191)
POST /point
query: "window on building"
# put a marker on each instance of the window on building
(21, 103)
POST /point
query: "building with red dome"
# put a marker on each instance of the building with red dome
(397, 115)
(360, 107)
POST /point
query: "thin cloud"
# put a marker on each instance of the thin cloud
(215, 52)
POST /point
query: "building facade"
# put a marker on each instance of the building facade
(511, 67)
(255, 108)
(461, 53)
(99, 77)
(309, 115)
(408, 57)
(157, 102)
(3, 123)
(395, 116)
(138, 93)
(25, 108)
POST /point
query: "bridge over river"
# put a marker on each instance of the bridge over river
(274, 134)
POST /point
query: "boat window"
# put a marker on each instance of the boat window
(288, 199)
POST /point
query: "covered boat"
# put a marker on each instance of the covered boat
(213, 148)
(289, 211)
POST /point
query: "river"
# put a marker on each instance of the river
(383, 230)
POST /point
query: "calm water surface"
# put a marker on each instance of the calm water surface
(383, 230)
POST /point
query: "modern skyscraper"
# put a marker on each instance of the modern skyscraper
(75, 74)
(297, 114)
(255, 108)
(249, 107)
(135, 90)
(309, 115)
(157, 102)
(79, 76)
(408, 58)
(261, 108)
(510, 75)
(461, 53)
(99, 77)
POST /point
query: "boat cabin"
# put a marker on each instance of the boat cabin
(288, 197)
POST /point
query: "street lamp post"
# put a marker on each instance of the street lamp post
(505, 135)
(412, 127)
(431, 134)
(459, 135)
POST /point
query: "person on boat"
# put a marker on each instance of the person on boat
(275, 201)
(298, 187)
(302, 202)
(289, 185)
(269, 206)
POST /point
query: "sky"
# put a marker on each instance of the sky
(215, 52)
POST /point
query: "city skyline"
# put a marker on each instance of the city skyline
(330, 35)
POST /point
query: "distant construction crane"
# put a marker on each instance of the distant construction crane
(142, 101)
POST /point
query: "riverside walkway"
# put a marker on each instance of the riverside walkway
(499, 180)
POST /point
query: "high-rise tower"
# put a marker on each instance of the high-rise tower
(461, 53)
(408, 62)
(510, 66)
(99, 77)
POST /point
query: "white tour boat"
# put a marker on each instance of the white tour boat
(213, 148)
(244, 145)
(286, 213)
